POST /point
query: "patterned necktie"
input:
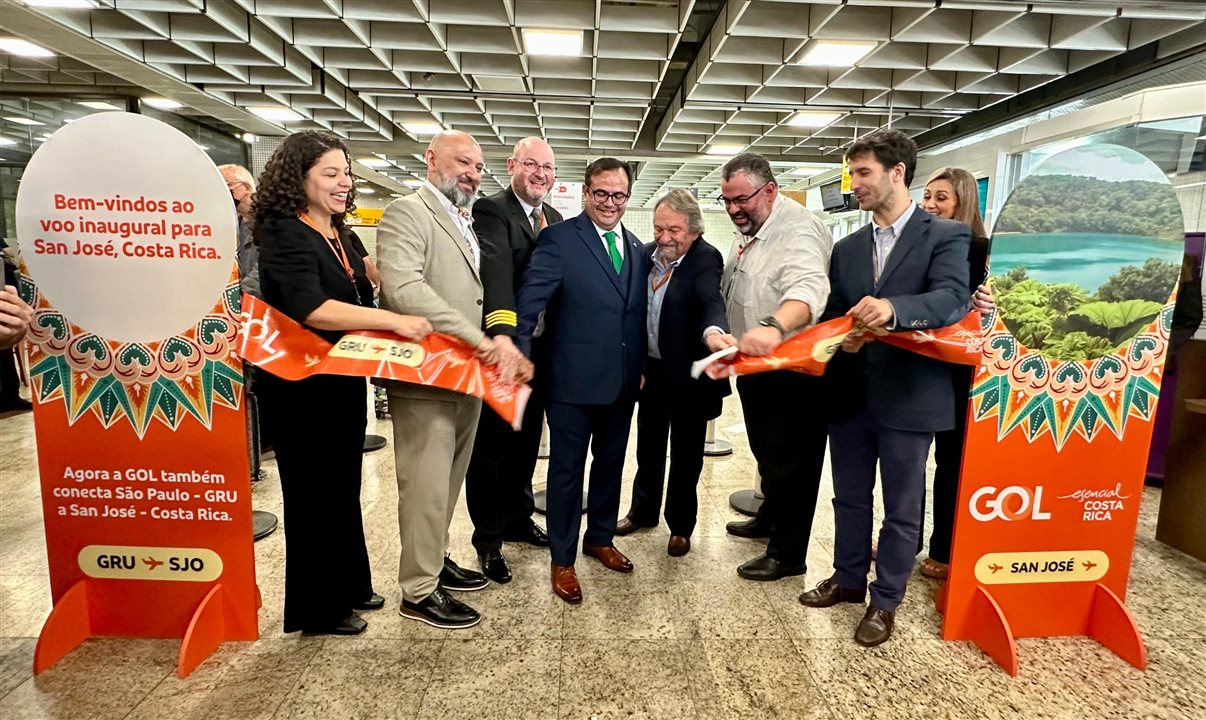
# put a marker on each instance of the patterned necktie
(537, 216)
(616, 260)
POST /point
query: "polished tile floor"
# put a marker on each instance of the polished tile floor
(679, 638)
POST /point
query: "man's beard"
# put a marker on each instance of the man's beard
(458, 197)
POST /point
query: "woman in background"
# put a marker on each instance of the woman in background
(310, 271)
(951, 193)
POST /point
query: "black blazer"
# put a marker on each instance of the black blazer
(595, 322)
(926, 279)
(692, 304)
(298, 271)
(505, 234)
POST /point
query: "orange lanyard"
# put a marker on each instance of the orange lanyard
(657, 284)
(332, 243)
(742, 247)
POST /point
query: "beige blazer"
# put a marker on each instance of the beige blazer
(427, 269)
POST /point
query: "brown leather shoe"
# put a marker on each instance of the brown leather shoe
(565, 584)
(626, 526)
(875, 628)
(611, 558)
(678, 546)
(828, 593)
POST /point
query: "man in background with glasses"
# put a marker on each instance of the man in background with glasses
(776, 283)
(498, 486)
(589, 276)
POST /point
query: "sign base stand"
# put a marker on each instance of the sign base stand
(1112, 625)
(66, 628)
(69, 625)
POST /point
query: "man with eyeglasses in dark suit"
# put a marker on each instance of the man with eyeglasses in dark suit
(498, 487)
(589, 276)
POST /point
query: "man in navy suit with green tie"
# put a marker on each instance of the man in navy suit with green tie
(589, 277)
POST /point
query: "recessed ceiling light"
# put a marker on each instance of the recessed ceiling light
(723, 149)
(836, 53)
(23, 121)
(249, 138)
(373, 162)
(276, 113)
(98, 105)
(365, 191)
(557, 43)
(395, 195)
(7, 141)
(203, 147)
(422, 128)
(813, 118)
(24, 48)
(62, 4)
(162, 103)
(413, 183)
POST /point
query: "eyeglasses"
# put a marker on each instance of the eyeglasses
(602, 196)
(532, 166)
(725, 202)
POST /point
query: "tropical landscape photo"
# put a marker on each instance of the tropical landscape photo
(1086, 252)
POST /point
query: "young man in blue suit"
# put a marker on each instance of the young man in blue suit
(906, 270)
(589, 276)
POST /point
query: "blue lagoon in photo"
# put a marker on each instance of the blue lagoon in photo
(1086, 259)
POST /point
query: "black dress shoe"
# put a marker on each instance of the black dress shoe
(764, 568)
(439, 609)
(751, 528)
(374, 602)
(875, 628)
(828, 593)
(531, 534)
(351, 625)
(495, 567)
(456, 578)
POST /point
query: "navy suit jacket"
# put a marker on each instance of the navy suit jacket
(594, 318)
(692, 304)
(926, 280)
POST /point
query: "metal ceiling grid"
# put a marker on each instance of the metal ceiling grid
(368, 69)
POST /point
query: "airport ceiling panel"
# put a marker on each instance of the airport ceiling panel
(684, 81)
(913, 64)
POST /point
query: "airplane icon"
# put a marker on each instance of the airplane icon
(152, 563)
(994, 567)
(1089, 564)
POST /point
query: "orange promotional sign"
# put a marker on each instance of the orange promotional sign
(283, 347)
(1061, 411)
(138, 413)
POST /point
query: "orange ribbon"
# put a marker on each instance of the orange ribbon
(810, 351)
(280, 345)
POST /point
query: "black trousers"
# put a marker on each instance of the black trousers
(786, 419)
(498, 484)
(948, 461)
(659, 416)
(319, 448)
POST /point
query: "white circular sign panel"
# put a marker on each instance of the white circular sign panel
(126, 226)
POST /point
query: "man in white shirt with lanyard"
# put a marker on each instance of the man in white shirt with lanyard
(776, 283)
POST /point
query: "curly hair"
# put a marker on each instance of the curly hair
(282, 190)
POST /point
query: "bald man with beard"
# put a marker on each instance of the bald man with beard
(498, 488)
(430, 261)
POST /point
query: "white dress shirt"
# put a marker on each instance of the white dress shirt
(619, 231)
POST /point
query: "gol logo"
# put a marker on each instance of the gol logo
(989, 504)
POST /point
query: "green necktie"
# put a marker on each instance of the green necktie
(616, 261)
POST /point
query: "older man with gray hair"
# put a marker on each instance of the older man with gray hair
(686, 322)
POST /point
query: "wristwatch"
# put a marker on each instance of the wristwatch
(770, 321)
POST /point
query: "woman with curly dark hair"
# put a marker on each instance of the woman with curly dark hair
(310, 272)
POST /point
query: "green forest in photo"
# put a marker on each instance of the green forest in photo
(1062, 321)
(1079, 204)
